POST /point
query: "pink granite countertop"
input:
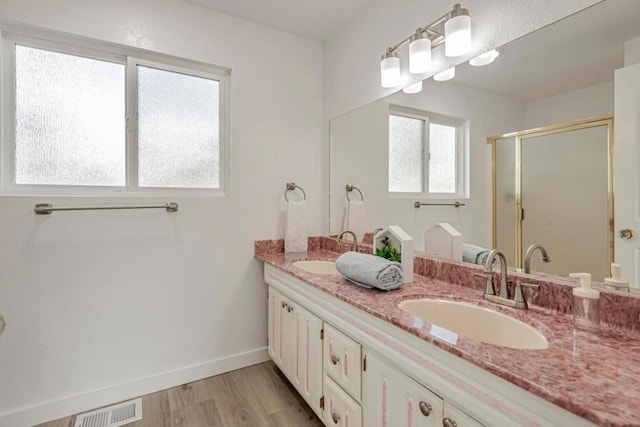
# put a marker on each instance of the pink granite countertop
(594, 376)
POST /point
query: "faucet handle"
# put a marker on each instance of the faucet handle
(518, 296)
(489, 290)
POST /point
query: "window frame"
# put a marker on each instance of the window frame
(130, 58)
(462, 167)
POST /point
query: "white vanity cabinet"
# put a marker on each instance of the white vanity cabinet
(295, 345)
(367, 372)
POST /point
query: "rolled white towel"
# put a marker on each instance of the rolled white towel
(370, 270)
(474, 254)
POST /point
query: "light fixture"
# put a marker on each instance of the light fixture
(419, 53)
(484, 59)
(457, 32)
(453, 29)
(390, 69)
(445, 75)
(414, 88)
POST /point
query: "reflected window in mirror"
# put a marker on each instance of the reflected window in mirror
(426, 154)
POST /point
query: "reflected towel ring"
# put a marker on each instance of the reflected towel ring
(351, 188)
(291, 186)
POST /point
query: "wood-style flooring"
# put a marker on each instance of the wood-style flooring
(258, 396)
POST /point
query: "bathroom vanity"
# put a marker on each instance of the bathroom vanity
(359, 360)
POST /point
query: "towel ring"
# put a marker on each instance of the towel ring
(351, 188)
(291, 186)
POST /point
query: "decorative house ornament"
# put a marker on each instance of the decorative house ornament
(395, 244)
(444, 241)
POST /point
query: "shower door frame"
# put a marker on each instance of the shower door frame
(606, 120)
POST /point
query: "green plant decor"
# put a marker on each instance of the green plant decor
(387, 251)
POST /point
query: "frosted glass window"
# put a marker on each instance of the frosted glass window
(442, 158)
(406, 154)
(69, 119)
(178, 130)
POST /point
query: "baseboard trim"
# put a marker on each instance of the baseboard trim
(82, 402)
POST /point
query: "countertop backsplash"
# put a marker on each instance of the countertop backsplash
(618, 309)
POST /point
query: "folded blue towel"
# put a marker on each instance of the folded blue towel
(474, 254)
(370, 270)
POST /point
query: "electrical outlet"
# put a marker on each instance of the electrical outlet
(3, 325)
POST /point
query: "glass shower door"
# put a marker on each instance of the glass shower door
(565, 184)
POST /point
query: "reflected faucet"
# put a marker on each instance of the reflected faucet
(353, 235)
(529, 253)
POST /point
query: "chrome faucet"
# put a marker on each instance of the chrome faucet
(530, 250)
(518, 300)
(488, 269)
(353, 235)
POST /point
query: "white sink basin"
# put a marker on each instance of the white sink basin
(477, 323)
(317, 267)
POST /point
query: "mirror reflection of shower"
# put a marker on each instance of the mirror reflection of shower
(553, 186)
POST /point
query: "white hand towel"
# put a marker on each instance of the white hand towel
(295, 230)
(354, 218)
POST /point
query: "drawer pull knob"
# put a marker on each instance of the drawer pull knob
(334, 359)
(448, 422)
(425, 408)
(289, 308)
(284, 304)
(335, 417)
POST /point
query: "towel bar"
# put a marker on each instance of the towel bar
(46, 208)
(351, 188)
(291, 186)
(456, 204)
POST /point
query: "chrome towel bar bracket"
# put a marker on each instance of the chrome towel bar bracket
(47, 209)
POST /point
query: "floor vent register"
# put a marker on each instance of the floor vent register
(112, 416)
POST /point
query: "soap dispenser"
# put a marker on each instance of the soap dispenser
(615, 282)
(586, 304)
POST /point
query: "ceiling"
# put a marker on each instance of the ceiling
(314, 19)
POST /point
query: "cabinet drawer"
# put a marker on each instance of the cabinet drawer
(339, 408)
(343, 361)
(457, 418)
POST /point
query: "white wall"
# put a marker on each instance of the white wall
(632, 52)
(592, 101)
(359, 156)
(102, 306)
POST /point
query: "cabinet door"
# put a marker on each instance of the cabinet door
(277, 325)
(339, 408)
(392, 399)
(454, 417)
(342, 360)
(306, 358)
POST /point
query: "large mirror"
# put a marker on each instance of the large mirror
(413, 156)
